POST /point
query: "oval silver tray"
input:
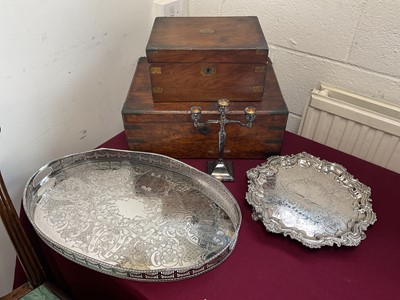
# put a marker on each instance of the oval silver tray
(313, 201)
(133, 215)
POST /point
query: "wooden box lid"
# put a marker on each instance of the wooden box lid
(207, 39)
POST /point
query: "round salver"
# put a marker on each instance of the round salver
(313, 201)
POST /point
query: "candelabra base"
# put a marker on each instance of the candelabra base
(222, 170)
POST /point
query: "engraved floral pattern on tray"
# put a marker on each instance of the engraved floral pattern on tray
(141, 217)
(313, 201)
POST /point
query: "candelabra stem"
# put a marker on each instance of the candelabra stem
(221, 169)
(221, 142)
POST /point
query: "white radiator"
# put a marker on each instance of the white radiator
(357, 125)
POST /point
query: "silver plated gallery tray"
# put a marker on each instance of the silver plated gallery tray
(313, 201)
(133, 215)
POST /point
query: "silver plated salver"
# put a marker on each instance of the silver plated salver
(313, 201)
(133, 215)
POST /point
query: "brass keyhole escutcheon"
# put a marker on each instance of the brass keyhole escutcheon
(207, 71)
(204, 130)
(207, 31)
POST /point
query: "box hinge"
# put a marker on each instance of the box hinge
(157, 90)
(258, 89)
(155, 70)
(260, 69)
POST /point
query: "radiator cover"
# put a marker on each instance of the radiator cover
(364, 127)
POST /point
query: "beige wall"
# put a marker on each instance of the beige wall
(354, 44)
(65, 70)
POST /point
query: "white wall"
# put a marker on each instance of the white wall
(354, 44)
(65, 69)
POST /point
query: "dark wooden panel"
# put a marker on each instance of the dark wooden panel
(186, 141)
(190, 81)
(22, 245)
(140, 100)
(210, 39)
(167, 128)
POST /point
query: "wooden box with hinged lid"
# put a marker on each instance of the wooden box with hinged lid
(167, 127)
(207, 58)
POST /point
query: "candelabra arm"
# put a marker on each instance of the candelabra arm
(206, 123)
(248, 124)
(220, 169)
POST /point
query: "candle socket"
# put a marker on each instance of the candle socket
(195, 113)
(221, 169)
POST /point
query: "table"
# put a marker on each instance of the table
(265, 265)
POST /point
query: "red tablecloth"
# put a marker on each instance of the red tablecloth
(266, 265)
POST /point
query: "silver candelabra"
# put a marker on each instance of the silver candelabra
(221, 169)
